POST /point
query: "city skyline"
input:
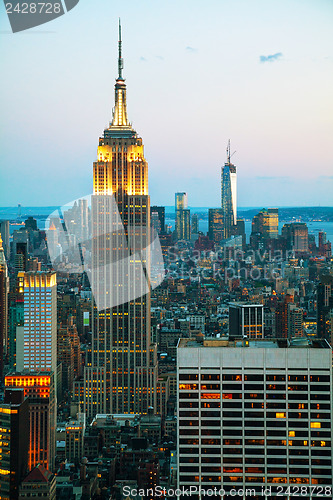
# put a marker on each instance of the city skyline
(270, 96)
(142, 355)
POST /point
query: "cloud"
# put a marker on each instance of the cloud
(271, 57)
(160, 57)
(271, 177)
(143, 58)
(191, 49)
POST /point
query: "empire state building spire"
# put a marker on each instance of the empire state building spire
(121, 375)
(120, 59)
(119, 118)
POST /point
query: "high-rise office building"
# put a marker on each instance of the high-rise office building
(194, 224)
(216, 224)
(36, 341)
(296, 235)
(122, 370)
(14, 442)
(159, 214)
(324, 246)
(246, 320)
(75, 439)
(282, 316)
(5, 233)
(266, 222)
(39, 388)
(183, 224)
(181, 201)
(325, 307)
(155, 222)
(36, 360)
(295, 321)
(4, 291)
(229, 195)
(254, 414)
(182, 217)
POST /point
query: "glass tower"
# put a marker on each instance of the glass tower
(229, 195)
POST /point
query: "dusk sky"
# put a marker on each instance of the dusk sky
(259, 72)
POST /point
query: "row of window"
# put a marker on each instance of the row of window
(254, 377)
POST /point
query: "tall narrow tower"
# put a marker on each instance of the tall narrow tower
(122, 365)
(4, 291)
(229, 194)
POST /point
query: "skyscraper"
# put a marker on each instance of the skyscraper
(182, 213)
(159, 215)
(266, 222)
(14, 430)
(4, 231)
(246, 320)
(296, 235)
(36, 361)
(194, 224)
(40, 391)
(254, 414)
(37, 349)
(229, 195)
(122, 369)
(216, 224)
(4, 290)
(325, 307)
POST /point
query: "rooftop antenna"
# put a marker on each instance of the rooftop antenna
(120, 59)
(229, 156)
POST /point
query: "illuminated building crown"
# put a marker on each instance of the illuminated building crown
(119, 118)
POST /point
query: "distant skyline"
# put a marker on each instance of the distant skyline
(197, 74)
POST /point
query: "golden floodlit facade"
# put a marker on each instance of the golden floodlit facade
(122, 363)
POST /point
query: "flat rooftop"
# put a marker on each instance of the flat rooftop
(253, 343)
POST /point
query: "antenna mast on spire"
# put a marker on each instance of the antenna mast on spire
(228, 152)
(229, 155)
(120, 59)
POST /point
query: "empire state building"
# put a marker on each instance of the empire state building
(121, 372)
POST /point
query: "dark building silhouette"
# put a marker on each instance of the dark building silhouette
(325, 307)
(216, 224)
(160, 211)
(14, 423)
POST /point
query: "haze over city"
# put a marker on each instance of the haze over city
(259, 73)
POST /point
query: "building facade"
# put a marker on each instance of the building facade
(159, 214)
(325, 307)
(121, 373)
(246, 320)
(14, 434)
(266, 222)
(39, 388)
(254, 414)
(229, 195)
(182, 217)
(4, 293)
(216, 224)
(37, 350)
